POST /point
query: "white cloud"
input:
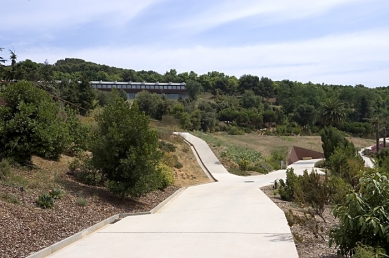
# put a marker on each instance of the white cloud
(39, 14)
(268, 11)
(337, 59)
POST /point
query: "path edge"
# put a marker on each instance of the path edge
(78, 236)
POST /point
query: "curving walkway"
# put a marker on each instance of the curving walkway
(228, 218)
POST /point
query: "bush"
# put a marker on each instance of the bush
(286, 188)
(320, 164)
(244, 157)
(364, 216)
(125, 150)
(45, 201)
(234, 130)
(331, 139)
(55, 193)
(347, 163)
(30, 124)
(81, 202)
(243, 164)
(339, 189)
(363, 251)
(83, 170)
(167, 146)
(167, 175)
(314, 190)
(261, 167)
(5, 169)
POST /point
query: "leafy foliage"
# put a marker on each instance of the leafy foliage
(287, 188)
(125, 150)
(83, 170)
(45, 201)
(364, 216)
(331, 139)
(30, 124)
(239, 154)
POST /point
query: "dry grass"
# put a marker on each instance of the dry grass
(267, 144)
(191, 173)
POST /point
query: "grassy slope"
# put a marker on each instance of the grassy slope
(266, 144)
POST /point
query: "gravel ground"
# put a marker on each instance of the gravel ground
(308, 246)
(25, 228)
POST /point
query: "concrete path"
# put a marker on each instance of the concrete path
(228, 218)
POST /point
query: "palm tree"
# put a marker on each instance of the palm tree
(2, 60)
(331, 112)
(13, 57)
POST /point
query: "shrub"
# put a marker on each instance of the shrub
(244, 157)
(287, 188)
(167, 175)
(5, 169)
(30, 124)
(166, 146)
(331, 139)
(45, 201)
(339, 188)
(125, 150)
(80, 201)
(83, 170)
(55, 193)
(320, 164)
(314, 190)
(363, 251)
(243, 164)
(10, 198)
(234, 130)
(347, 163)
(261, 167)
(364, 216)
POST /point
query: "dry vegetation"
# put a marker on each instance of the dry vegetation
(26, 228)
(266, 144)
(308, 245)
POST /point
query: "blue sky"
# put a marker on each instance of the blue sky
(323, 41)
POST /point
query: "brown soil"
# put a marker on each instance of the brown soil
(25, 228)
(308, 245)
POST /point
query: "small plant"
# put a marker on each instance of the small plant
(81, 202)
(166, 174)
(243, 164)
(178, 165)
(10, 198)
(55, 193)
(237, 154)
(307, 221)
(167, 146)
(5, 169)
(83, 170)
(287, 188)
(364, 251)
(45, 201)
(185, 148)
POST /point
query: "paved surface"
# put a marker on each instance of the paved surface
(228, 218)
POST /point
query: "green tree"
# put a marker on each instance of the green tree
(125, 150)
(149, 103)
(30, 124)
(304, 115)
(331, 112)
(85, 96)
(364, 216)
(2, 61)
(194, 88)
(332, 138)
(250, 100)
